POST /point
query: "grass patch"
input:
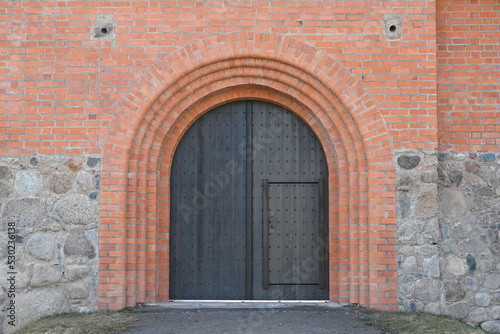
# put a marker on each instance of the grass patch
(414, 323)
(82, 323)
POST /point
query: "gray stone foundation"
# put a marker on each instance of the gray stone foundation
(53, 203)
(449, 234)
(448, 209)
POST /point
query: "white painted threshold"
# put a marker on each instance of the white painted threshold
(246, 301)
(235, 304)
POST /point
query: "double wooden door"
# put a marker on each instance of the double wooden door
(248, 207)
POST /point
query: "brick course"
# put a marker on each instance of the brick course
(468, 37)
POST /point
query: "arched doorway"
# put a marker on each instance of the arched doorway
(249, 207)
(134, 242)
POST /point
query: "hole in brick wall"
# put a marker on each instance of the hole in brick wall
(104, 27)
(393, 25)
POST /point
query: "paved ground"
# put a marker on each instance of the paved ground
(248, 319)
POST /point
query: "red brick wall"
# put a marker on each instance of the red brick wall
(468, 37)
(64, 88)
(63, 92)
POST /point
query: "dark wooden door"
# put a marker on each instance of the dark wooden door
(248, 207)
(208, 208)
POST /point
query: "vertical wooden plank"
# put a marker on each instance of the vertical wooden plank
(259, 157)
(220, 234)
(249, 199)
(321, 233)
(265, 234)
(204, 257)
(238, 254)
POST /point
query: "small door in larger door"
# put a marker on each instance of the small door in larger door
(294, 253)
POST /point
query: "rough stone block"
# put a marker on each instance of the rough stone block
(78, 244)
(26, 212)
(93, 162)
(44, 275)
(429, 177)
(77, 209)
(404, 205)
(431, 267)
(478, 316)
(485, 157)
(409, 264)
(28, 182)
(495, 312)
(471, 166)
(454, 265)
(427, 204)
(426, 290)
(39, 303)
(492, 281)
(60, 182)
(76, 272)
(5, 172)
(471, 263)
(491, 326)
(408, 161)
(453, 202)
(75, 164)
(84, 181)
(5, 189)
(456, 177)
(471, 246)
(453, 291)
(41, 246)
(483, 299)
(458, 310)
(78, 290)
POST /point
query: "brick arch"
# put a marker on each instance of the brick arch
(224, 68)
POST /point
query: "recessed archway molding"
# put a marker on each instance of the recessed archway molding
(170, 96)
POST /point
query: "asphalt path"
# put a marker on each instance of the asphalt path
(248, 319)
